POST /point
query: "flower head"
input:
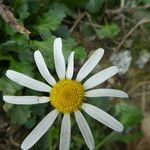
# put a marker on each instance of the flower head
(67, 96)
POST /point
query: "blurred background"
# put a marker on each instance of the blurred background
(121, 27)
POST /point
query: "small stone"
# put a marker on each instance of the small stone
(143, 59)
(122, 60)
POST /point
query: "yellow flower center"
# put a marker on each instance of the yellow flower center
(67, 95)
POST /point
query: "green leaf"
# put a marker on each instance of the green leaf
(23, 11)
(70, 45)
(23, 67)
(19, 114)
(51, 20)
(94, 6)
(130, 137)
(30, 123)
(62, 31)
(53, 135)
(130, 115)
(108, 31)
(80, 52)
(87, 30)
(33, 6)
(144, 1)
(7, 107)
(21, 7)
(39, 110)
(9, 87)
(114, 136)
(19, 44)
(74, 4)
(46, 48)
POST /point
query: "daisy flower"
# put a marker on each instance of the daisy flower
(67, 96)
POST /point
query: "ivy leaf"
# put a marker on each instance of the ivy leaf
(108, 31)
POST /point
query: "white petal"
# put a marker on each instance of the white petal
(100, 77)
(103, 117)
(59, 59)
(65, 133)
(39, 130)
(106, 93)
(26, 100)
(90, 64)
(70, 67)
(27, 81)
(43, 68)
(85, 130)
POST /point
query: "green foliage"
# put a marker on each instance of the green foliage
(72, 3)
(130, 115)
(144, 1)
(19, 114)
(108, 31)
(9, 87)
(51, 20)
(94, 6)
(87, 30)
(130, 137)
(46, 47)
(21, 7)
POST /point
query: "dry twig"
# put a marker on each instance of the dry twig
(125, 10)
(9, 18)
(143, 21)
(80, 17)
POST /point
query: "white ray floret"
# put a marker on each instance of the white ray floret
(85, 130)
(43, 68)
(106, 93)
(100, 77)
(70, 67)
(27, 81)
(39, 130)
(26, 100)
(90, 64)
(102, 117)
(65, 133)
(59, 59)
